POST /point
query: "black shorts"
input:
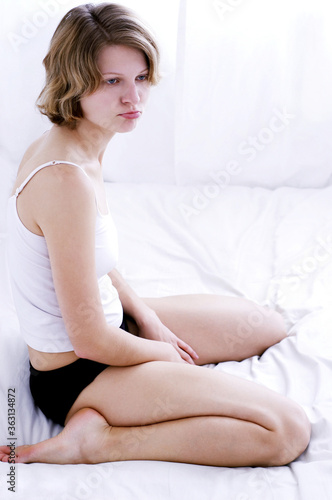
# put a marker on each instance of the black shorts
(55, 391)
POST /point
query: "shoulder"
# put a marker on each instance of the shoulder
(61, 195)
(65, 179)
(65, 186)
(31, 155)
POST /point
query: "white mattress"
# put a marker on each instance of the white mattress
(271, 246)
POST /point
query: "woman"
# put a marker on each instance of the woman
(120, 372)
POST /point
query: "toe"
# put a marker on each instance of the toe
(4, 453)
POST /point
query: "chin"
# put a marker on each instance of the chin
(129, 127)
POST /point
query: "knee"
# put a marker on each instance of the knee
(272, 327)
(291, 436)
(277, 325)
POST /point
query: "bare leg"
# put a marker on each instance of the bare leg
(220, 328)
(175, 412)
(88, 438)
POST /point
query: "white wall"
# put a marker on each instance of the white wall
(257, 80)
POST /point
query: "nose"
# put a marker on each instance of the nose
(131, 95)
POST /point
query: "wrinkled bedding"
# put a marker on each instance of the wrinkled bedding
(272, 246)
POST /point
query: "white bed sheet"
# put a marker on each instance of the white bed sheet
(271, 246)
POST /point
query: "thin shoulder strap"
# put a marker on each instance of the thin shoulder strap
(48, 164)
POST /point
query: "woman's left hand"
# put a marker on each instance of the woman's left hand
(152, 328)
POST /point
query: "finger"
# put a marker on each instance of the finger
(193, 354)
(185, 356)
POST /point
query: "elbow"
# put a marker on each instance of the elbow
(84, 348)
(80, 353)
(86, 341)
(87, 350)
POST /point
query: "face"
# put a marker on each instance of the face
(121, 97)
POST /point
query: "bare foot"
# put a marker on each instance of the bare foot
(85, 439)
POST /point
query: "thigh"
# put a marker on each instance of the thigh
(138, 395)
(220, 328)
(162, 391)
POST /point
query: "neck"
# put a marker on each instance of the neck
(87, 140)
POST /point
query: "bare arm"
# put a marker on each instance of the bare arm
(149, 325)
(132, 304)
(65, 210)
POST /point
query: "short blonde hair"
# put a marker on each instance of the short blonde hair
(71, 62)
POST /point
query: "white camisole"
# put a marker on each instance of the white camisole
(32, 284)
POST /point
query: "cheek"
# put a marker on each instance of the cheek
(145, 93)
(92, 104)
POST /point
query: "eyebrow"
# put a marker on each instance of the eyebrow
(120, 74)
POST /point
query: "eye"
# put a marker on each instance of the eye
(111, 81)
(142, 78)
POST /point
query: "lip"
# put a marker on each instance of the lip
(131, 115)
